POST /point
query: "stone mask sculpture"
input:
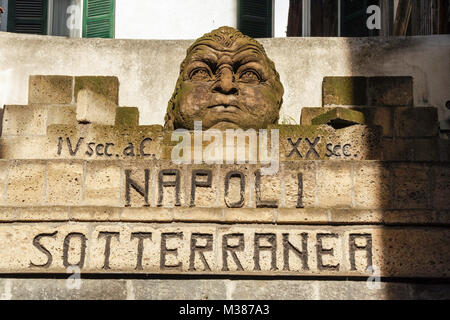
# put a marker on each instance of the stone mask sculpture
(226, 81)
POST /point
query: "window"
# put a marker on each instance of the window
(255, 18)
(28, 16)
(69, 18)
(98, 19)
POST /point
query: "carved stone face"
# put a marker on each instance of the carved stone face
(226, 81)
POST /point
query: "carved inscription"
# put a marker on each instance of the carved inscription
(312, 152)
(108, 150)
(295, 251)
(138, 182)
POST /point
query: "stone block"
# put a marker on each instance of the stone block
(302, 216)
(309, 113)
(62, 115)
(411, 186)
(102, 184)
(23, 147)
(3, 178)
(98, 142)
(94, 214)
(198, 214)
(401, 217)
(139, 183)
(298, 184)
(372, 184)
(373, 116)
(202, 183)
(441, 186)
(426, 149)
(107, 87)
(64, 289)
(39, 214)
(64, 183)
(398, 149)
(8, 214)
(127, 116)
(334, 185)
(26, 180)
(249, 215)
(171, 185)
(146, 214)
(24, 120)
(344, 91)
(339, 118)
(380, 116)
(390, 91)
(416, 122)
(95, 108)
(356, 216)
(50, 89)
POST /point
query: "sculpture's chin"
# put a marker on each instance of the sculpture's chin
(223, 125)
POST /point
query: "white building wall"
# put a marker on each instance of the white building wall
(184, 19)
(172, 19)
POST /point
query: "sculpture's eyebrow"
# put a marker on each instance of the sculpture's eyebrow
(248, 55)
(200, 54)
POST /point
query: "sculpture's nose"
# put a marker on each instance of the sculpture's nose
(225, 83)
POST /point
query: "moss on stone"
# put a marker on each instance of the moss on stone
(344, 91)
(127, 116)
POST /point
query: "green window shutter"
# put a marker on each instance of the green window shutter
(27, 16)
(98, 19)
(255, 18)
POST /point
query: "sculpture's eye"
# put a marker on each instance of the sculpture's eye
(199, 74)
(250, 76)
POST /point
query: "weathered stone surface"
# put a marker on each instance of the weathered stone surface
(93, 107)
(373, 116)
(102, 184)
(334, 185)
(160, 183)
(64, 183)
(411, 186)
(416, 122)
(216, 289)
(441, 187)
(108, 87)
(62, 115)
(390, 91)
(344, 91)
(50, 89)
(185, 248)
(25, 183)
(372, 185)
(127, 116)
(23, 147)
(339, 117)
(24, 120)
(104, 142)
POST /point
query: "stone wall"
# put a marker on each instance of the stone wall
(359, 192)
(148, 69)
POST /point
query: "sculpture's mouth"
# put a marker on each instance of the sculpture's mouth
(224, 108)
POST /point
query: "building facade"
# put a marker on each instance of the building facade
(173, 19)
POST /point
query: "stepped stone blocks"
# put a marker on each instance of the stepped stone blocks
(367, 91)
(102, 193)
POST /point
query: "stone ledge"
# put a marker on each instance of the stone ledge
(217, 289)
(274, 216)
